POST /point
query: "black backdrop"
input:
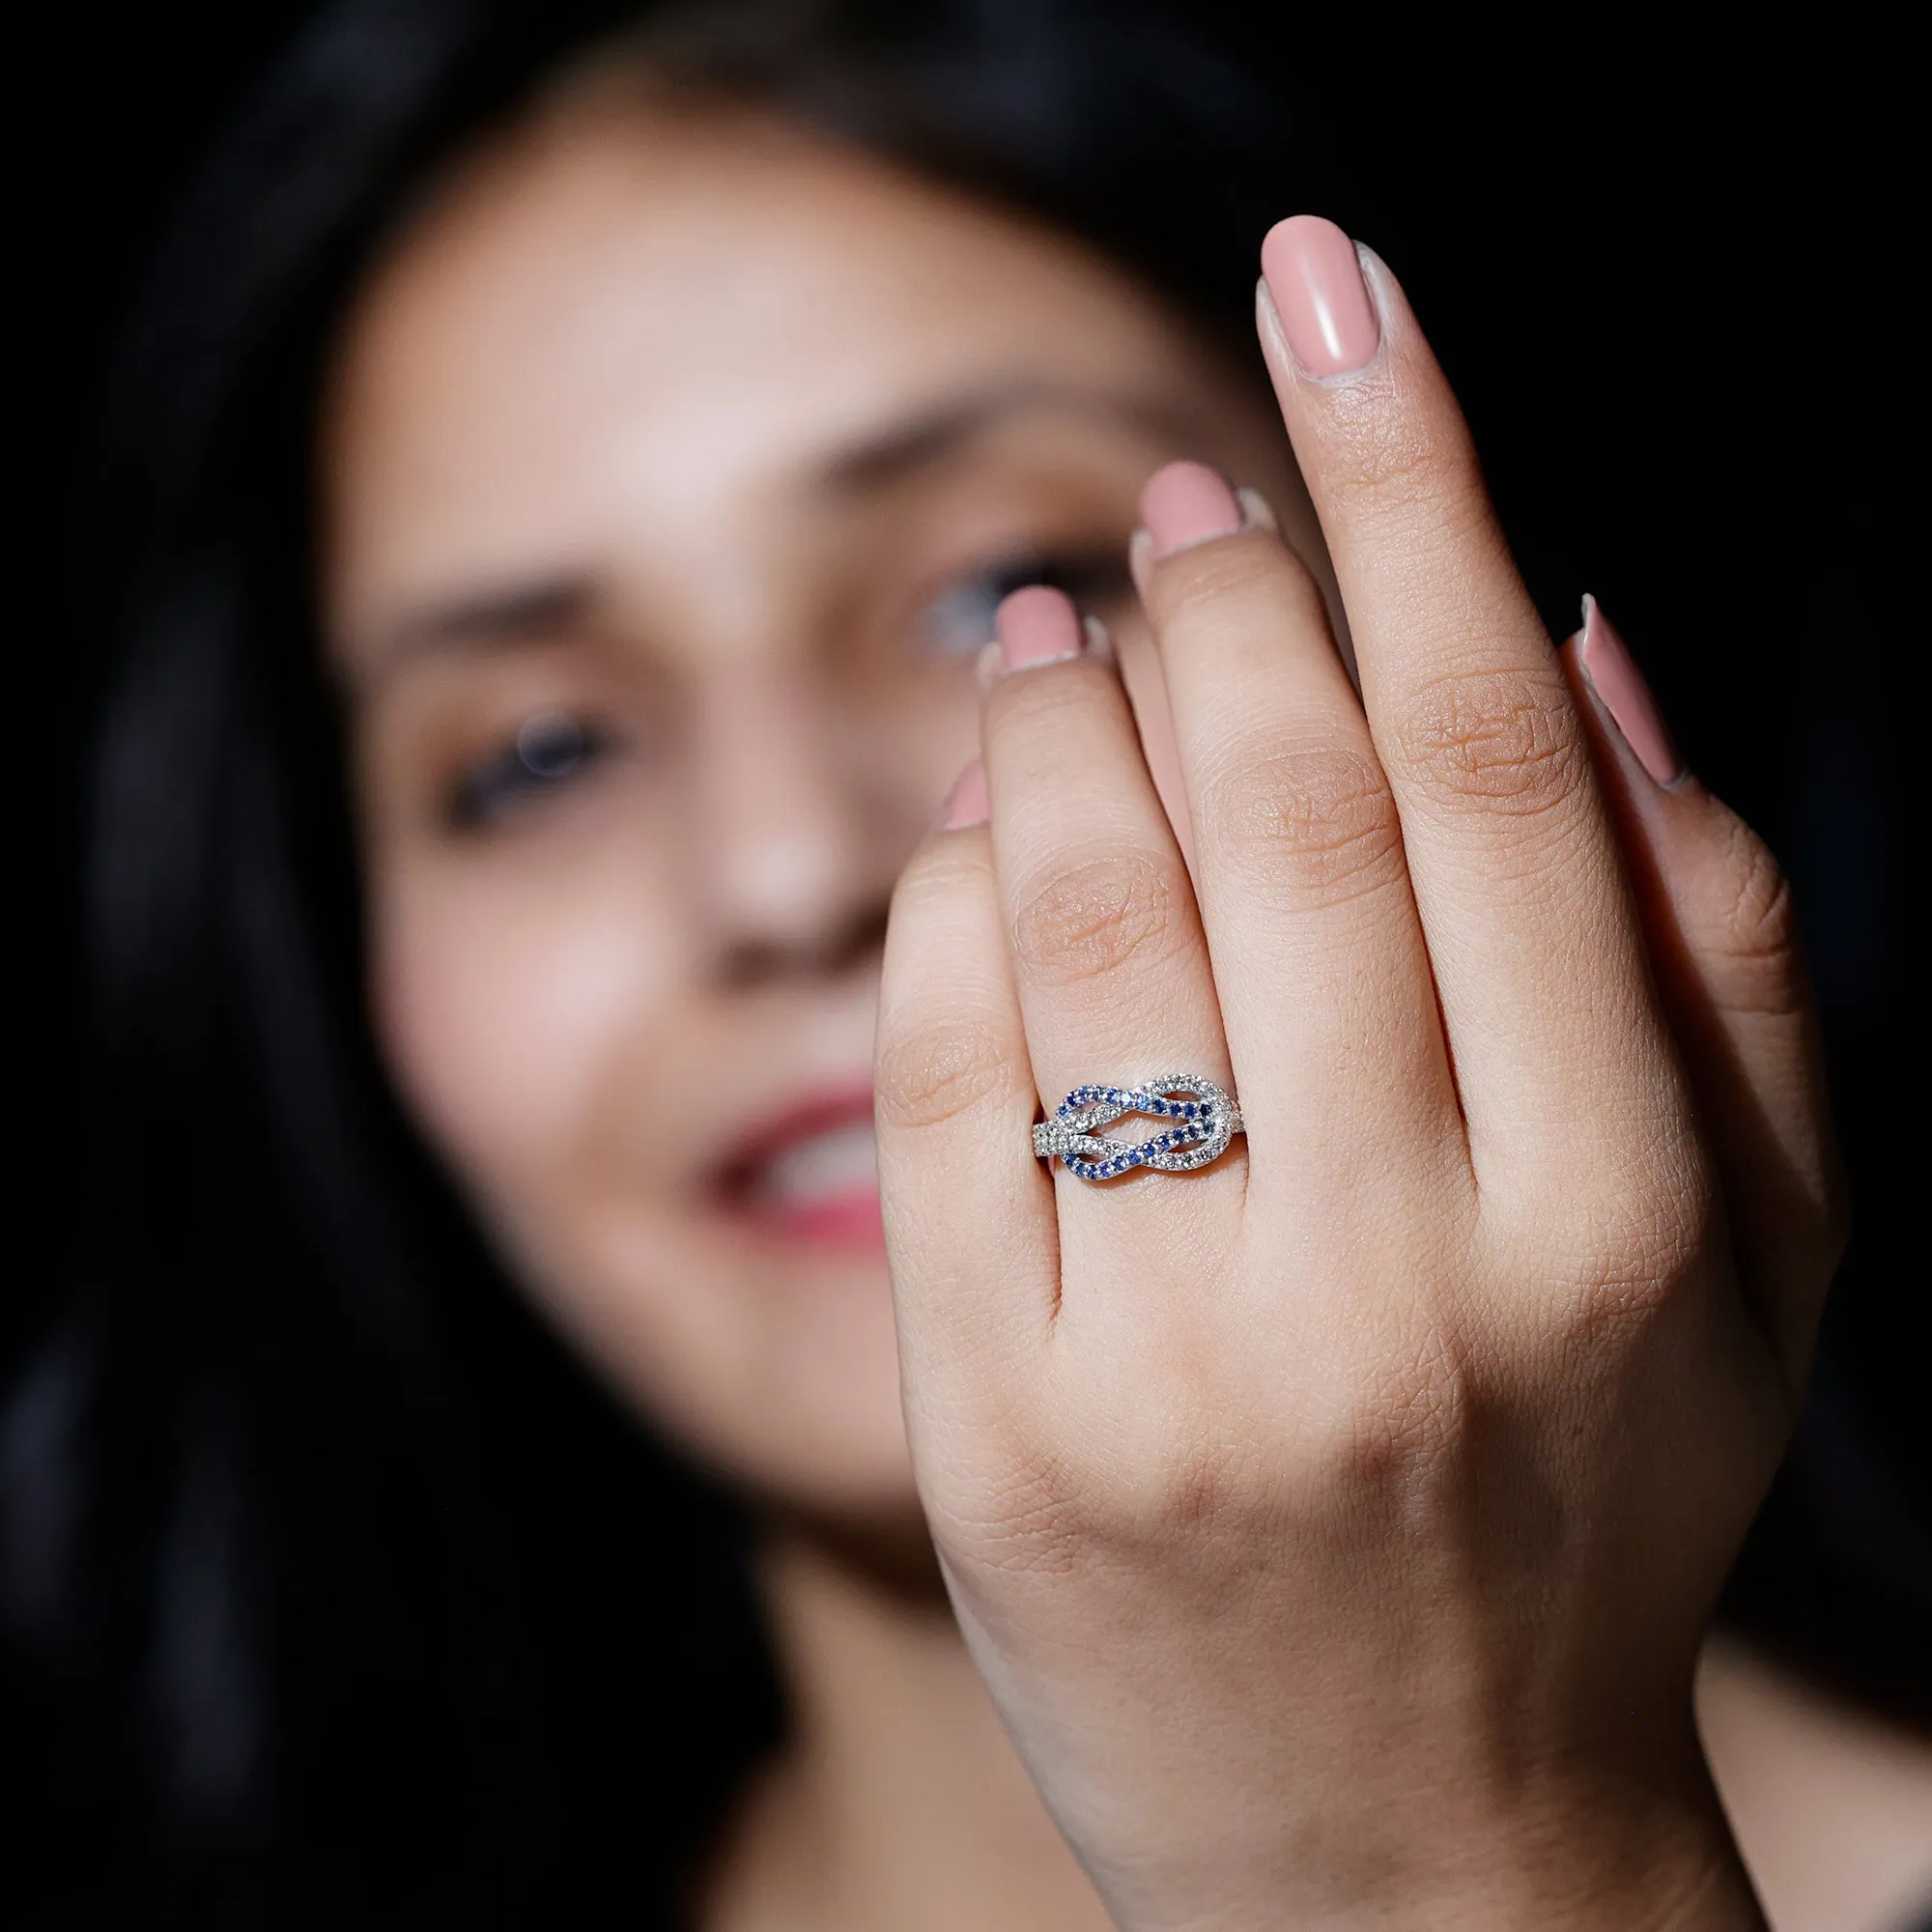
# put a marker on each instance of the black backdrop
(1673, 283)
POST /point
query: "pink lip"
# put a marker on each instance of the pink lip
(848, 1221)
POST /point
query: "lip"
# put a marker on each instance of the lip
(846, 1220)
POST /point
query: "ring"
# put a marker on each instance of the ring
(1206, 1120)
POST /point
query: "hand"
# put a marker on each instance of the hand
(1337, 1526)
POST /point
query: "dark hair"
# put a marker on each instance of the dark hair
(345, 1595)
(325, 1569)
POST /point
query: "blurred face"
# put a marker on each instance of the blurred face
(672, 471)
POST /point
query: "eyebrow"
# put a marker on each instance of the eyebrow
(941, 432)
(500, 618)
(524, 613)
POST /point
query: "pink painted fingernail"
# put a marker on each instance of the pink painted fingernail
(1037, 626)
(967, 803)
(1620, 689)
(1316, 282)
(1186, 503)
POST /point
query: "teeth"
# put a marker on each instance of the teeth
(838, 1162)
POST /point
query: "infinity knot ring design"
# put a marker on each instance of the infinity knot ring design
(1204, 1117)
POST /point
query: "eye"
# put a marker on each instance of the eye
(959, 621)
(550, 751)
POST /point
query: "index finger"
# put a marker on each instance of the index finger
(1537, 959)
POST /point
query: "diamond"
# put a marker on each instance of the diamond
(1208, 1116)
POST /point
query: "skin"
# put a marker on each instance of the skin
(691, 454)
(1369, 1635)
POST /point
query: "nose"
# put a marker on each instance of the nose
(796, 852)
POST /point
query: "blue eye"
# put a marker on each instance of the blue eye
(548, 752)
(959, 621)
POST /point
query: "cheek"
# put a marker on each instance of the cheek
(507, 1001)
(541, 1031)
(914, 749)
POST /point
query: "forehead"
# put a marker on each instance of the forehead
(616, 323)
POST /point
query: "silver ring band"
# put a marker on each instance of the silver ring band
(1203, 1118)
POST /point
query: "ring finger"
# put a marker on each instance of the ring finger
(1115, 985)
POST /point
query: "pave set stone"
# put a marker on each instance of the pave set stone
(1206, 1120)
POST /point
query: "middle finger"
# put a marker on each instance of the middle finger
(1531, 932)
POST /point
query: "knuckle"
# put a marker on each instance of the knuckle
(1015, 1522)
(1225, 1502)
(1309, 824)
(1082, 921)
(932, 1076)
(1237, 571)
(933, 880)
(1386, 449)
(1394, 1437)
(1408, 1414)
(1630, 1253)
(1049, 698)
(1400, 458)
(1181, 1486)
(1495, 742)
(1753, 940)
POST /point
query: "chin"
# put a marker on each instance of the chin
(772, 1363)
(822, 1431)
(747, 1312)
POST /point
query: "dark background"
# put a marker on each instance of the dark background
(1673, 284)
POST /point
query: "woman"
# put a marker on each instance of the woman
(612, 455)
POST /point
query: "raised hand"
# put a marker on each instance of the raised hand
(1337, 1525)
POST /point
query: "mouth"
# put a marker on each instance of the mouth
(810, 1177)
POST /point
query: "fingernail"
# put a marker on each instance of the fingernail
(1036, 626)
(1257, 510)
(1314, 280)
(1099, 640)
(967, 803)
(1188, 503)
(1620, 689)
